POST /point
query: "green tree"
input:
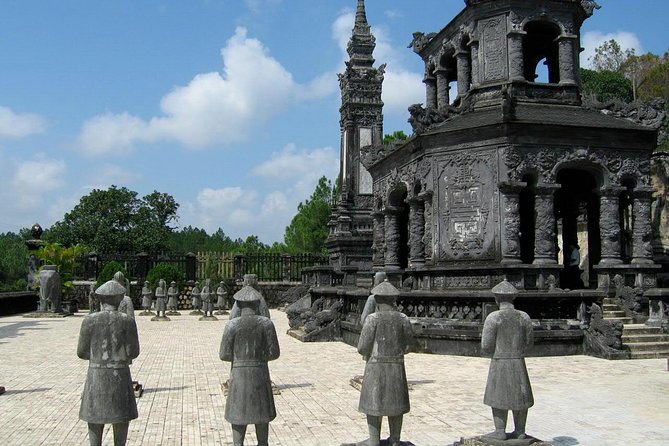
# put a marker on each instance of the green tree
(13, 262)
(116, 220)
(67, 259)
(308, 230)
(610, 56)
(606, 85)
(397, 135)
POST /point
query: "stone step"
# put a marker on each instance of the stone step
(633, 339)
(648, 347)
(614, 314)
(640, 329)
(608, 307)
(624, 320)
(649, 355)
(610, 301)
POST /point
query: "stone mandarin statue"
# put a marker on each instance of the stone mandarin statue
(222, 303)
(173, 299)
(161, 306)
(385, 338)
(208, 302)
(108, 340)
(249, 342)
(146, 300)
(252, 281)
(126, 305)
(507, 334)
(196, 296)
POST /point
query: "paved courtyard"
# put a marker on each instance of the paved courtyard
(579, 400)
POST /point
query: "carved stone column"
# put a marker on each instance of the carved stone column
(416, 231)
(430, 92)
(609, 225)
(378, 245)
(511, 221)
(427, 232)
(544, 226)
(392, 232)
(443, 97)
(516, 60)
(474, 47)
(642, 232)
(567, 61)
(464, 72)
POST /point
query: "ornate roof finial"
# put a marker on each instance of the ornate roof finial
(362, 43)
(360, 14)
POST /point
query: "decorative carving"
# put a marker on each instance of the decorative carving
(608, 334)
(423, 119)
(589, 7)
(630, 299)
(420, 41)
(459, 311)
(494, 49)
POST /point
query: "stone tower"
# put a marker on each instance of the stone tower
(350, 240)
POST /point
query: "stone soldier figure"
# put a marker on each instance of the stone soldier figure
(173, 299)
(50, 289)
(126, 305)
(507, 333)
(249, 342)
(207, 302)
(160, 302)
(108, 340)
(252, 281)
(146, 300)
(196, 300)
(222, 303)
(385, 338)
(93, 304)
(370, 305)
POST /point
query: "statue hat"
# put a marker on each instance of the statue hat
(505, 288)
(110, 288)
(385, 288)
(247, 294)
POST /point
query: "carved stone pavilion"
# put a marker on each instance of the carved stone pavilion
(507, 170)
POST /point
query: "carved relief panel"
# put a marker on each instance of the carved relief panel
(492, 49)
(467, 207)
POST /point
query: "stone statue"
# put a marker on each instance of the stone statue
(146, 300)
(93, 304)
(126, 305)
(50, 291)
(385, 338)
(222, 303)
(173, 299)
(160, 302)
(108, 340)
(207, 302)
(196, 302)
(249, 342)
(252, 281)
(370, 305)
(507, 334)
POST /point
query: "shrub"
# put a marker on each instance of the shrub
(166, 271)
(108, 272)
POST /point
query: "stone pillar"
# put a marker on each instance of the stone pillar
(609, 225)
(191, 266)
(474, 51)
(567, 61)
(642, 233)
(378, 245)
(427, 232)
(443, 97)
(516, 59)
(392, 232)
(430, 92)
(511, 221)
(416, 232)
(544, 229)
(464, 72)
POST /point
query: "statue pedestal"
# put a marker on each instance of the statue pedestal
(173, 313)
(147, 313)
(47, 314)
(196, 313)
(487, 441)
(160, 319)
(208, 318)
(221, 313)
(2, 390)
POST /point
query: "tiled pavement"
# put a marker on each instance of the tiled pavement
(579, 400)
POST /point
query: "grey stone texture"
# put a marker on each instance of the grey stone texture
(108, 339)
(173, 299)
(146, 300)
(161, 302)
(249, 342)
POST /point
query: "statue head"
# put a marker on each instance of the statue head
(504, 292)
(110, 293)
(248, 297)
(385, 293)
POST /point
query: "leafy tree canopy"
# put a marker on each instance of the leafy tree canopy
(606, 85)
(397, 135)
(116, 220)
(308, 230)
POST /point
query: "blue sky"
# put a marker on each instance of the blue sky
(231, 106)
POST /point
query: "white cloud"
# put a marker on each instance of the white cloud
(593, 39)
(16, 125)
(111, 174)
(214, 108)
(292, 163)
(35, 178)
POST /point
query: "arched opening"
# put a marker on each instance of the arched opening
(449, 66)
(527, 219)
(540, 49)
(577, 217)
(397, 200)
(625, 203)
